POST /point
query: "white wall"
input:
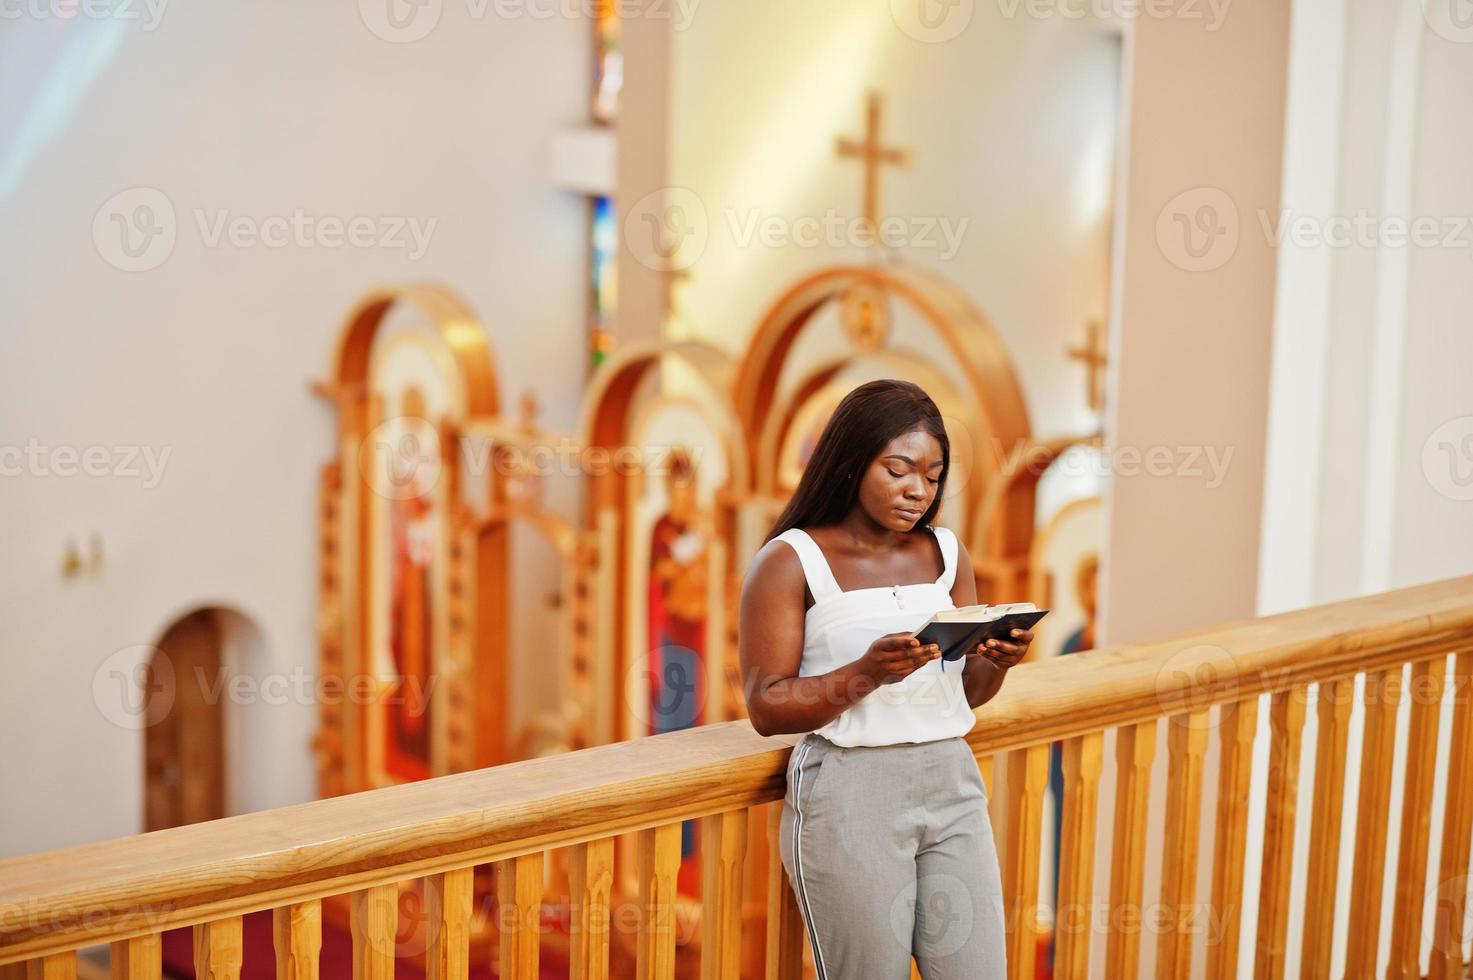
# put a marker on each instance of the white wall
(1370, 471)
(1011, 124)
(259, 108)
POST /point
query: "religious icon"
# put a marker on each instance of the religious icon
(865, 313)
(414, 535)
(677, 618)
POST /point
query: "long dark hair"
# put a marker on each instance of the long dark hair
(865, 421)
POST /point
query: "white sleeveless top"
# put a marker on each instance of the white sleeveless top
(931, 702)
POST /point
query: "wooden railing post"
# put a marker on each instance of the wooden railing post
(591, 880)
(1236, 730)
(1135, 750)
(784, 920)
(1416, 818)
(1082, 758)
(1336, 698)
(1457, 832)
(140, 958)
(519, 915)
(296, 932)
(1186, 741)
(1027, 779)
(448, 918)
(1382, 695)
(57, 966)
(659, 863)
(373, 919)
(217, 949)
(723, 855)
(1286, 719)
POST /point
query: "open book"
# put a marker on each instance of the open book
(959, 631)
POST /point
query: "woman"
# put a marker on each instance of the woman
(885, 835)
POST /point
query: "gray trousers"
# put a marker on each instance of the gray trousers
(890, 854)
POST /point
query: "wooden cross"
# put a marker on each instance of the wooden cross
(1094, 360)
(873, 154)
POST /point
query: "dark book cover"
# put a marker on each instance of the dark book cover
(958, 637)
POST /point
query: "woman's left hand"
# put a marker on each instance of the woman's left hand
(1003, 654)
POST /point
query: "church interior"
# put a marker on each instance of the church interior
(396, 392)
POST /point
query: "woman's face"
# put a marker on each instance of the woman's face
(900, 484)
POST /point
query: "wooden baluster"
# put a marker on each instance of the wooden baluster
(519, 914)
(1286, 718)
(723, 854)
(1082, 758)
(1382, 695)
(1027, 779)
(659, 863)
(1336, 697)
(1186, 741)
(448, 919)
(140, 958)
(296, 932)
(57, 966)
(984, 766)
(1135, 750)
(591, 878)
(1457, 833)
(784, 920)
(1236, 730)
(14, 971)
(1416, 818)
(217, 949)
(373, 919)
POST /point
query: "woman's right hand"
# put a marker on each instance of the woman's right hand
(895, 656)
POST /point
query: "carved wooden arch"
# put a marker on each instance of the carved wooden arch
(1001, 542)
(608, 411)
(459, 330)
(477, 561)
(980, 353)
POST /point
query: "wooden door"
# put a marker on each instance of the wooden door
(184, 747)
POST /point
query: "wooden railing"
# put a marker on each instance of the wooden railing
(1206, 685)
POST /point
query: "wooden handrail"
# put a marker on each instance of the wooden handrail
(138, 886)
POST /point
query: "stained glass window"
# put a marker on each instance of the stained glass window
(608, 69)
(604, 296)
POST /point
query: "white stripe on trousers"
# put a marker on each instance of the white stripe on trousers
(798, 865)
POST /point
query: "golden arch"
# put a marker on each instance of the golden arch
(980, 353)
